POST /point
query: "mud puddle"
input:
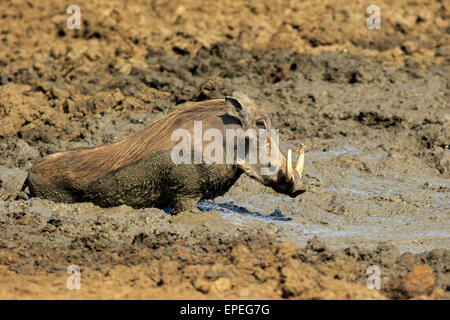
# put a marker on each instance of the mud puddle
(366, 209)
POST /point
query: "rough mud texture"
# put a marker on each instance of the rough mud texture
(372, 107)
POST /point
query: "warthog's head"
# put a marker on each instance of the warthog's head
(262, 159)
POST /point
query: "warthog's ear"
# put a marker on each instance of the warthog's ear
(239, 106)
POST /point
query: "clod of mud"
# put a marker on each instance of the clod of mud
(11, 182)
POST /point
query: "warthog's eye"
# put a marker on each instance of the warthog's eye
(260, 123)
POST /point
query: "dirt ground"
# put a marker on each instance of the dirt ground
(372, 107)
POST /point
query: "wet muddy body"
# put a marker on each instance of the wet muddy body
(377, 174)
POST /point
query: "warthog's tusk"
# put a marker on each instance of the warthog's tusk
(301, 160)
(289, 166)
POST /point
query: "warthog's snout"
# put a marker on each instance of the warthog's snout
(296, 190)
(288, 180)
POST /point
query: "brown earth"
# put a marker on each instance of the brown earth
(372, 107)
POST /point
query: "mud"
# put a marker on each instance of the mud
(371, 107)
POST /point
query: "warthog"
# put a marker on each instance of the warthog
(140, 170)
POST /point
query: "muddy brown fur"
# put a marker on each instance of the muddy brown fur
(138, 171)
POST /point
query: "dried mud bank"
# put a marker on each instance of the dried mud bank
(372, 109)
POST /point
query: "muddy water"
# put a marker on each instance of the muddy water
(366, 209)
(378, 208)
(344, 206)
